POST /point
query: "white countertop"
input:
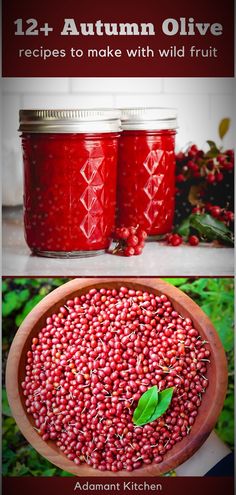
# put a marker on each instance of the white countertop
(157, 259)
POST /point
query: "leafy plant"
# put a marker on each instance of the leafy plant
(205, 180)
(207, 228)
(20, 295)
(216, 298)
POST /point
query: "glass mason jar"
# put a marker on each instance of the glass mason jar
(70, 171)
(146, 169)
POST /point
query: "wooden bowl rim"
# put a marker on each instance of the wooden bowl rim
(182, 450)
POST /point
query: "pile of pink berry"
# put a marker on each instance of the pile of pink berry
(92, 361)
(129, 240)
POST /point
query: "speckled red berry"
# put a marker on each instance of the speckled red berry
(193, 240)
(215, 211)
(129, 251)
(176, 240)
(210, 178)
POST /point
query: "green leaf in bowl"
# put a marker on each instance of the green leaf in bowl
(146, 406)
(151, 405)
(164, 400)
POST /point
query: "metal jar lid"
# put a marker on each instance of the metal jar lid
(148, 118)
(70, 121)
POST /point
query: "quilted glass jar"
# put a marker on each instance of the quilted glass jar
(70, 168)
(146, 169)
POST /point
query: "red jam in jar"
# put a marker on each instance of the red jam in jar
(70, 170)
(146, 169)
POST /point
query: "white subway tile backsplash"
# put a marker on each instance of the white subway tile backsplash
(10, 115)
(11, 151)
(198, 85)
(67, 101)
(116, 84)
(222, 106)
(35, 84)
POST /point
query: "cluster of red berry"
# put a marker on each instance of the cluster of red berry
(195, 163)
(129, 240)
(177, 239)
(215, 211)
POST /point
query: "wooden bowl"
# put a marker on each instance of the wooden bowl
(212, 401)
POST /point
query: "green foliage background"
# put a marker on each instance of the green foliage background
(20, 295)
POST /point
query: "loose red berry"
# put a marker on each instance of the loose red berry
(196, 209)
(228, 165)
(169, 237)
(123, 233)
(116, 233)
(208, 206)
(215, 211)
(193, 151)
(230, 153)
(180, 156)
(141, 244)
(200, 154)
(138, 250)
(229, 215)
(129, 251)
(221, 159)
(193, 240)
(142, 234)
(193, 166)
(180, 178)
(176, 240)
(210, 178)
(210, 164)
(132, 230)
(219, 177)
(132, 240)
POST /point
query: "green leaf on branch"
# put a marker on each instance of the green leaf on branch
(211, 229)
(207, 227)
(151, 405)
(213, 151)
(223, 127)
(184, 228)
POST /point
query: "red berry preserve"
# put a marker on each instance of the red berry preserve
(146, 169)
(70, 169)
